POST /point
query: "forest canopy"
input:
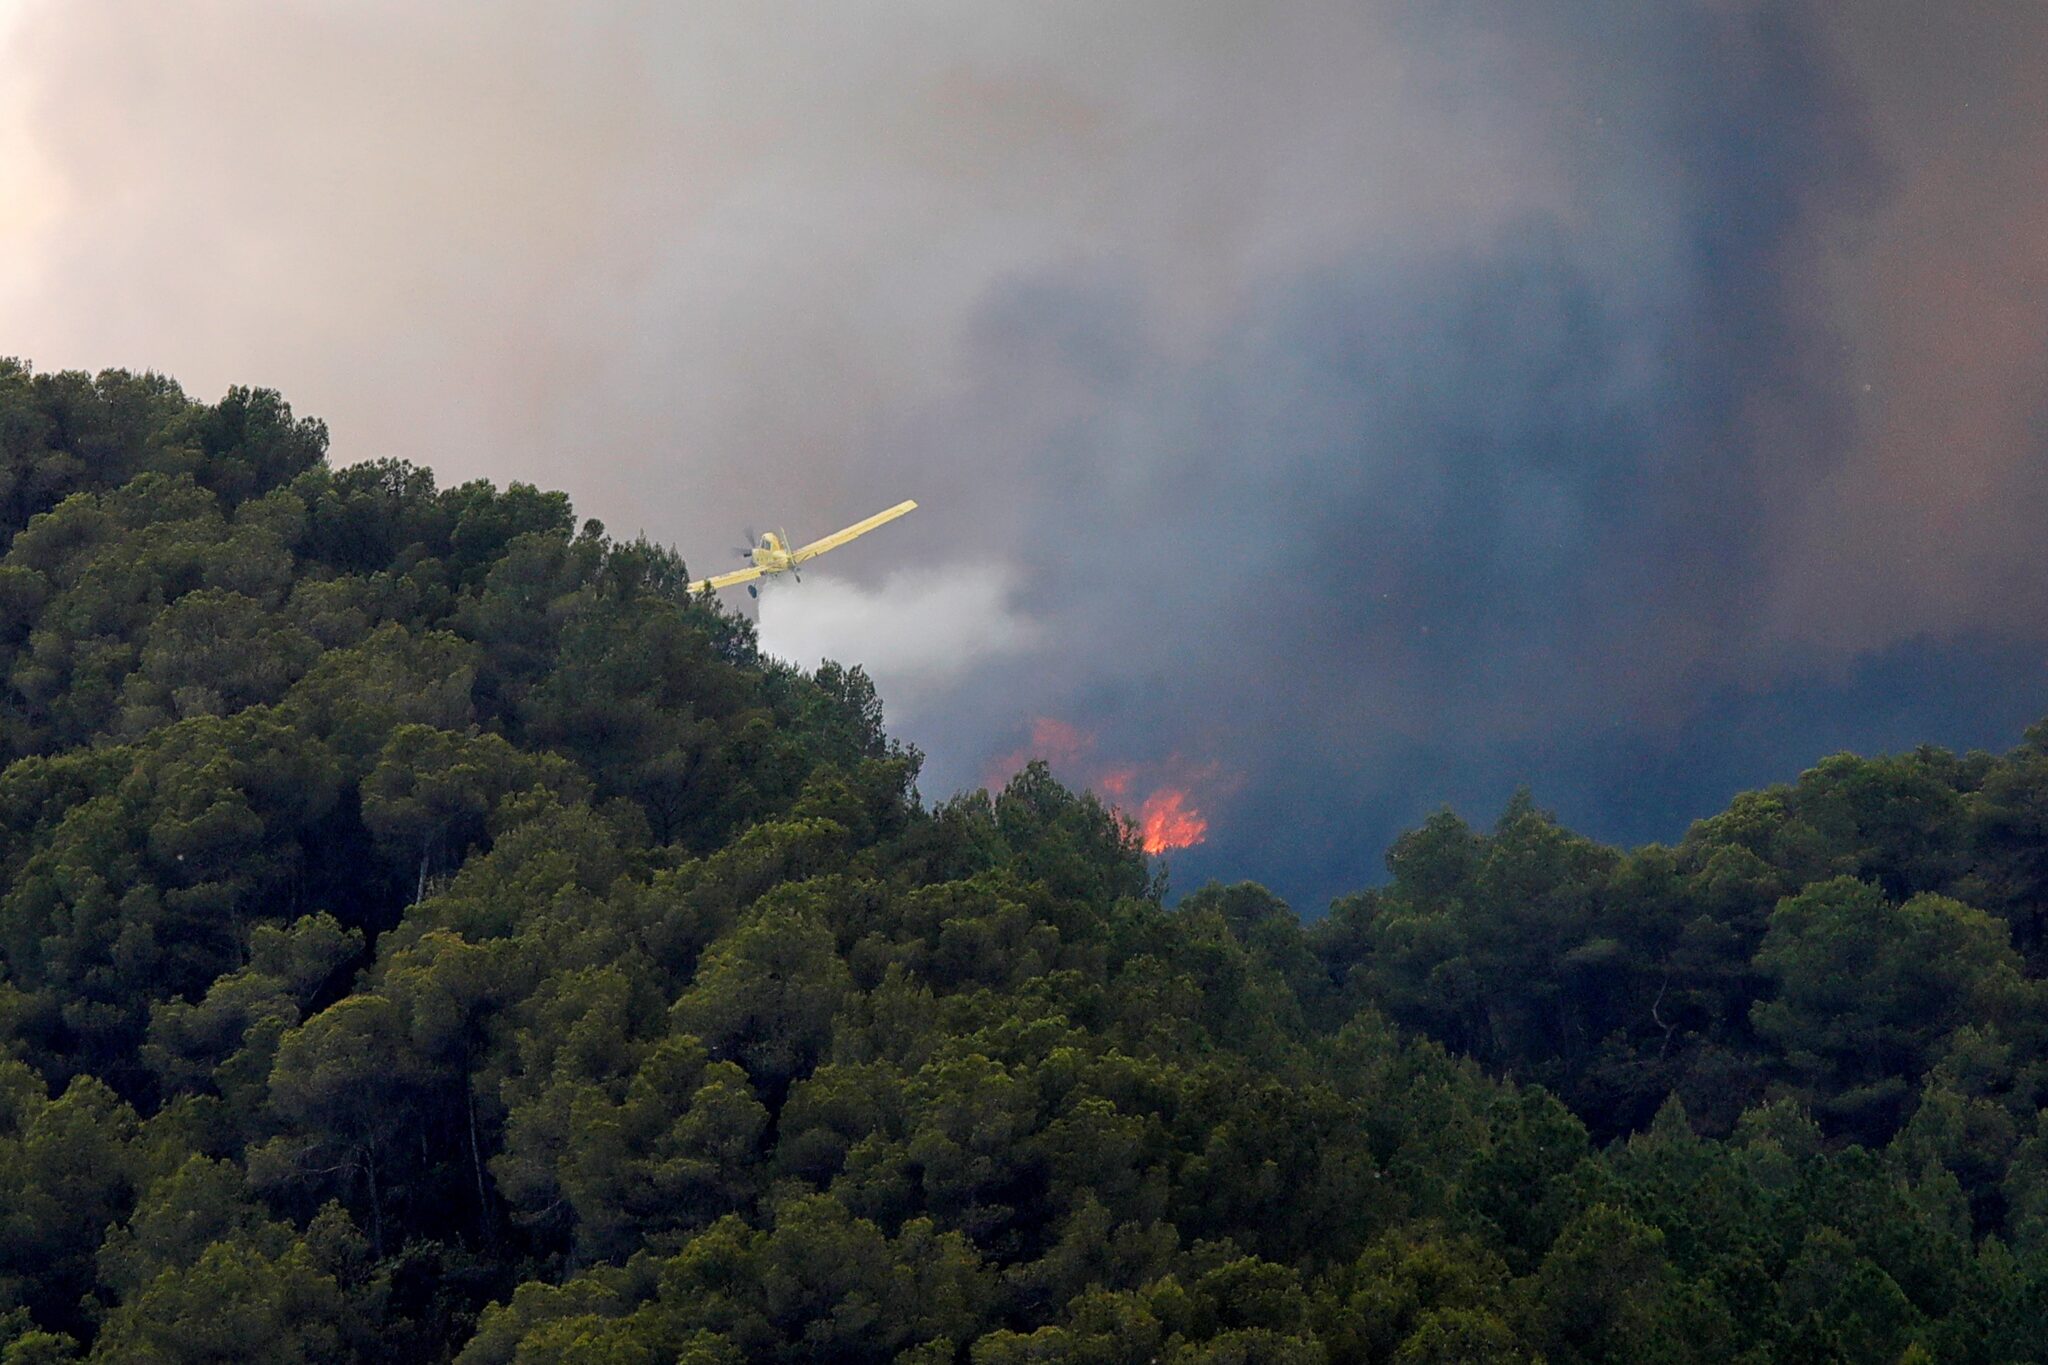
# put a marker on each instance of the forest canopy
(428, 933)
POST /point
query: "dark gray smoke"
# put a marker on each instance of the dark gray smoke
(1332, 409)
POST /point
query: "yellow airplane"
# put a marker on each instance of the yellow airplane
(771, 554)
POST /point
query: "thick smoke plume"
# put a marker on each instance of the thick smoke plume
(1382, 403)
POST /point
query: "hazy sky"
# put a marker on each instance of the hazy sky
(1333, 410)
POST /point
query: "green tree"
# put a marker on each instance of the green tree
(1866, 992)
(236, 1302)
(344, 1086)
(766, 996)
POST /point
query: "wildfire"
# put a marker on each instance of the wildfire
(1166, 818)
(1167, 821)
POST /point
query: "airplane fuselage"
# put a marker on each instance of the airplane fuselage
(772, 554)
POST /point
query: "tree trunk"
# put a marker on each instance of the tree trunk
(476, 1163)
(376, 1200)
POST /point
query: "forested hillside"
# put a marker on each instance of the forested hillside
(426, 934)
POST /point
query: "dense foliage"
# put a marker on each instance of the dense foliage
(427, 934)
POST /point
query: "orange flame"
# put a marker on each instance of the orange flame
(1166, 821)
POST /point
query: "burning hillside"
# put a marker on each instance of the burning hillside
(1167, 816)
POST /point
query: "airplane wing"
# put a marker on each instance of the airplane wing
(859, 528)
(725, 580)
